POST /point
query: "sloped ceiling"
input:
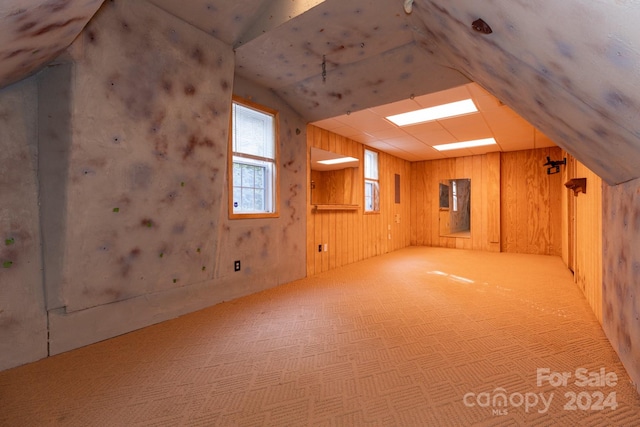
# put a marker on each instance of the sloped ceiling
(571, 68)
(33, 32)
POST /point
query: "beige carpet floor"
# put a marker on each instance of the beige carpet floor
(419, 337)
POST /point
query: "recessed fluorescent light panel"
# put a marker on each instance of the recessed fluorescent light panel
(336, 161)
(465, 144)
(438, 112)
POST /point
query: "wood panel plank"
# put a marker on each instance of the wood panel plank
(493, 200)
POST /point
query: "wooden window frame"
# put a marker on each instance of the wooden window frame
(276, 164)
(365, 179)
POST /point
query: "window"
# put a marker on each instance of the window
(454, 193)
(253, 161)
(371, 183)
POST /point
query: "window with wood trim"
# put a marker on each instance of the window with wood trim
(371, 182)
(253, 164)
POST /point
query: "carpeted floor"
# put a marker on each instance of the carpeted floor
(419, 337)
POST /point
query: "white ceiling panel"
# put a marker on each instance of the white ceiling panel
(494, 119)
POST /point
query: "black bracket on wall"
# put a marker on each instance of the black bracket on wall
(577, 185)
(554, 165)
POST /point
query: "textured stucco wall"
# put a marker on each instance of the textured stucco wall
(23, 324)
(33, 32)
(145, 228)
(621, 275)
(570, 68)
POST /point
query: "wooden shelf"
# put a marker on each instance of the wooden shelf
(336, 207)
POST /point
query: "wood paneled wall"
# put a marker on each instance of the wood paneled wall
(484, 172)
(352, 236)
(582, 226)
(531, 203)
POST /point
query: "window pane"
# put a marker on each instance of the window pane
(371, 196)
(250, 190)
(237, 174)
(368, 196)
(253, 132)
(376, 197)
(247, 200)
(259, 177)
(237, 198)
(258, 201)
(370, 164)
(248, 174)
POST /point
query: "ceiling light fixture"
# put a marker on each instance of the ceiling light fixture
(438, 112)
(336, 161)
(465, 144)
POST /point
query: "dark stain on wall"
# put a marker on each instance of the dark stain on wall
(167, 87)
(141, 176)
(618, 100)
(147, 223)
(179, 228)
(189, 90)
(241, 238)
(56, 6)
(15, 53)
(195, 141)
(198, 56)
(27, 26)
(92, 37)
(57, 25)
(126, 261)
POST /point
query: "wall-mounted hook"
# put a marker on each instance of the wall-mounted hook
(554, 165)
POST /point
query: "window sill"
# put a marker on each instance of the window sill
(336, 207)
(253, 215)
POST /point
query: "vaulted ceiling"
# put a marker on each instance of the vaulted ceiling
(570, 68)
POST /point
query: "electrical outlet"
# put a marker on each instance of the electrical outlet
(319, 248)
(326, 247)
(236, 265)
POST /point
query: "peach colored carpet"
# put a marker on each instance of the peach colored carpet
(419, 337)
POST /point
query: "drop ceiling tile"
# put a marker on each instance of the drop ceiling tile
(406, 144)
(329, 124)
(441, 136)
(443, 97)
(487, 103)
(363, 138)
(380, 145)
(467, 127)
(405, 155)
(515, 145)
(463, 152)
(394, 132)
(399, 107)
(429, 154)
(366, 120)
(347, 131)
(484, 150)
(423, 127)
